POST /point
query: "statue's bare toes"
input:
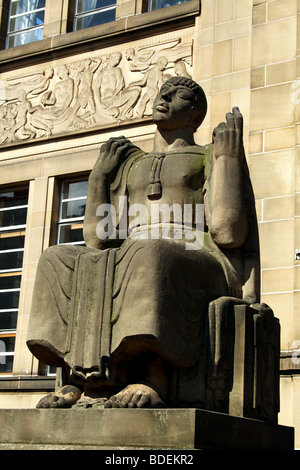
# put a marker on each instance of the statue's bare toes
(113, 402)
(144, 401)
(121, 399)
(65, 397)
(139, 400)
(135, 396)
(48, 401)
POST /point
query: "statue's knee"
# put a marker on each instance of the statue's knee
(153, 246)
(51, 251)
(61, 250)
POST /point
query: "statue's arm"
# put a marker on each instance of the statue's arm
(227, 216)
(112, 155)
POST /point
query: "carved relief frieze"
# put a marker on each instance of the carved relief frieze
(95, 92)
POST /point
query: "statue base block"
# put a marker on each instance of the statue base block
(142, 429)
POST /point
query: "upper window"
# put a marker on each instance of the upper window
(93, 12)
(26, 22)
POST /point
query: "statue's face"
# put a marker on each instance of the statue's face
(172, 107)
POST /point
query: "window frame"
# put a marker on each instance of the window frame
(17, 32)
(78, 221)
(85, 14)
(7, 354)
(11, 231)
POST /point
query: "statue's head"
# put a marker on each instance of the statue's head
(181, 102)
(115, 59)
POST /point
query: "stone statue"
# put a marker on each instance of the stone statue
(145, 314)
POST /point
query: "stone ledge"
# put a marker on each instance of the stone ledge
(27, 383)
(79, 429)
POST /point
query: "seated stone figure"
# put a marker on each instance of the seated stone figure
(142, 315)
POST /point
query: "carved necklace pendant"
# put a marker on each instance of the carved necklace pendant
(155, 187)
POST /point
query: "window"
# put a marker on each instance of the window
(156, 4)
(26, 21)
(71, 214)
(13, 213)
(93, 12)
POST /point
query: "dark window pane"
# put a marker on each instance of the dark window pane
(96, 19)
(11, 260)
(88, 5)
(10, 343)
(156, 4)
(7, 344)
(74, 189)
(25, 38)
(8, 321)
(13, 217)
(73, 209)
(10, 243)
(70, 234)
(9, 300)
(10, 282)
(14, 198)
(6, 364)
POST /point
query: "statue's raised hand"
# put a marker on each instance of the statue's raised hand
(112, 155)
(228, 137)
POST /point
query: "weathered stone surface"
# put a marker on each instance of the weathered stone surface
(138, 429)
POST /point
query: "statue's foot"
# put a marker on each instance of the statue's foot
(135, 396)
(65, 397)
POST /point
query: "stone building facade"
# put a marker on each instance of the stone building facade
(66, 92)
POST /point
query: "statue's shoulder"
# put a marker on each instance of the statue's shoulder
(206, 149)
(204, 152)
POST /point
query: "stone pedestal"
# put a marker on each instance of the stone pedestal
(127, 429)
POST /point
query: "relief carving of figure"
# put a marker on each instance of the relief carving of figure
(93, 92)
(17, 122)
(152, 81)
(8, 114)
(110, 92)
(139, 60)
(84, 107)
(180, 69)
(143, 315)
(54, 107)
(143, 57)
(33, 85)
